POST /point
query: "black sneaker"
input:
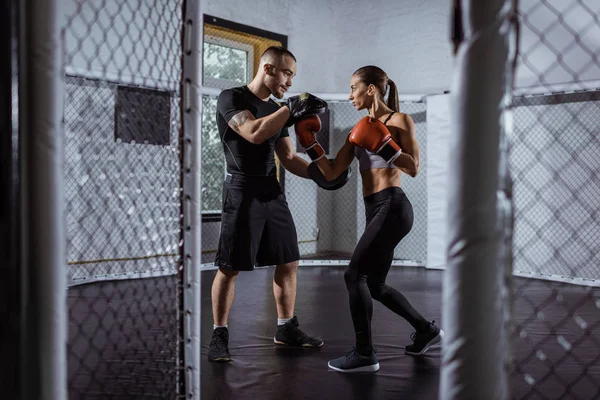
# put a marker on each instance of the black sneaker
(422, 341)
(290, 335)
(352, 361)
(218, 349)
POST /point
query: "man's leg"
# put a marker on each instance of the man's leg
(242, 222)
(223, 293)
(284, 289)
(279, 247)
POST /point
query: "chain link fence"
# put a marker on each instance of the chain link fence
(555, 159)
(123, 198)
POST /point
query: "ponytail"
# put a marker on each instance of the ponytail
(392, 101)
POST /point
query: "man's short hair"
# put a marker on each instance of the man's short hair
(276, 53)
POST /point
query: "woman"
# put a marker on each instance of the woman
(385, 145)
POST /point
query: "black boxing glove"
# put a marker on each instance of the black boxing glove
(304, 105)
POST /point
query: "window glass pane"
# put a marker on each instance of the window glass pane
(213, 159)
(221, 62)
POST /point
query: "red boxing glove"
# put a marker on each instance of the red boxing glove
(373, 135)
(306, 132)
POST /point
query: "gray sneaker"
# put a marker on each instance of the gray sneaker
(422, 341)
(352, 361)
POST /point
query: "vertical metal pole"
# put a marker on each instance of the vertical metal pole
(192, 184)
(10, 302)
(41, 91)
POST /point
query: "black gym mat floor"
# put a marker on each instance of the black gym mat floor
(123, 340)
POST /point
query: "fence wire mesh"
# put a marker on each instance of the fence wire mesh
(555, 159)
(123, 198)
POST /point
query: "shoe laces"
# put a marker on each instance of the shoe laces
(414, 335)
(218, 341)
(355, 354)
(297, 333)
(352, 354)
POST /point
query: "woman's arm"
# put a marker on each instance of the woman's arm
(342, 161)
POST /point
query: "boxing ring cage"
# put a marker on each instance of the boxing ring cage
(54, 209)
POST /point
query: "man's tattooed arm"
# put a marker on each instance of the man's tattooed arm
(239, 120)
(258, 130)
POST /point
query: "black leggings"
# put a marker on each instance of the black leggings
(389, 216)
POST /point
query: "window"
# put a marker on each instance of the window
(213, 159)
(227, 63)
(231, 53)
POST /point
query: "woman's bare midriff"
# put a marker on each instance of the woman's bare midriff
(375, 180)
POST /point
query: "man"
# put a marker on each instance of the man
(257, 227)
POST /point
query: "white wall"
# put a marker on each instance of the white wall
(408, 39)
(438, 141)
(331, 39)
(306, 24)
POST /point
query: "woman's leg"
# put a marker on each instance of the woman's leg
(388, 221)
(396, 223)
(395, 300)
(362, 358)
(361, 305)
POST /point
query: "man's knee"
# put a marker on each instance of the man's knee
(228, 274)
(287, 269)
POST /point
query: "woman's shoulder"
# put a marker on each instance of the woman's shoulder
(401, 120)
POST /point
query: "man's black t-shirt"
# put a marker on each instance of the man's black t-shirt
(241, 155)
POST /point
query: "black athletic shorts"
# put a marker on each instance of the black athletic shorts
(256, 224)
